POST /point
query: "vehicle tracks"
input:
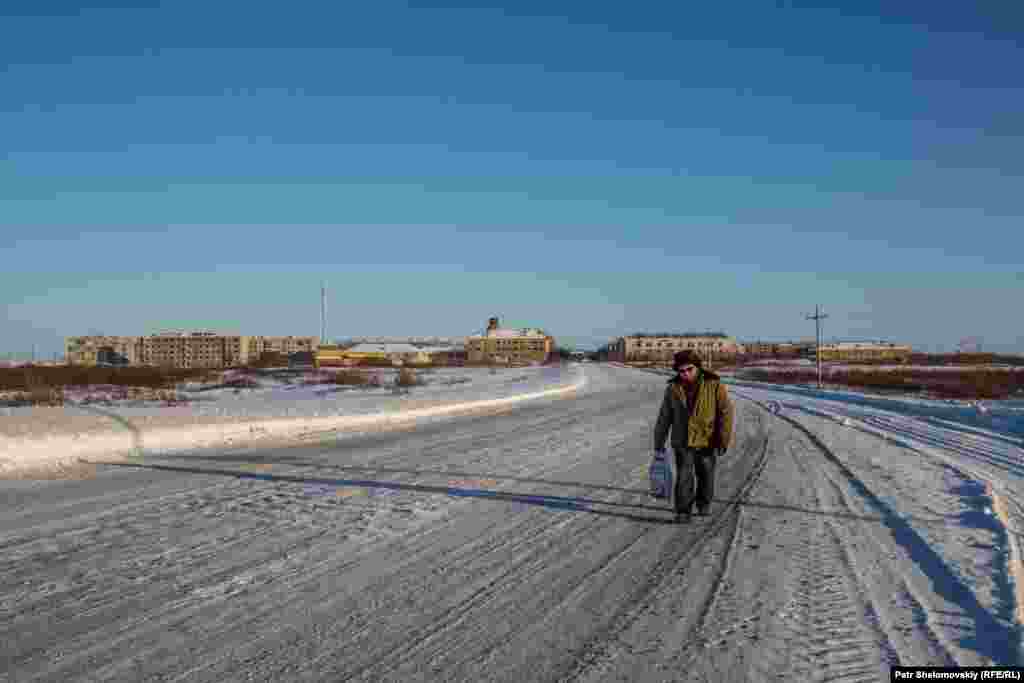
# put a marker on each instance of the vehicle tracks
(884, 636)
(602, 645)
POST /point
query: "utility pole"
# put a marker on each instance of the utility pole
(817, 318)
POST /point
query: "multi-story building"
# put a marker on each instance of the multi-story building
(512, 346)
(194, 350)
(286, 346)
(767, 348)
(863, 351)
(181, 350)
(102, 350)
(642, 347)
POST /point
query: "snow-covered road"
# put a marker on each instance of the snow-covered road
(522, 546)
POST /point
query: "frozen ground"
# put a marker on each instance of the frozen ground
(848, 534)
(946, 478)
(803, 365)
(93, 422)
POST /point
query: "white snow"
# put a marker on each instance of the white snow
(979, 447)
(33, 437)
(944, 479)
(915, 459)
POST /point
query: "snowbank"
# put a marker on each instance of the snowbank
(39, 439)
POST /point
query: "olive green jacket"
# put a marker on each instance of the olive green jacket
(707, 424)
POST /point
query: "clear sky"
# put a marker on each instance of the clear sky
(593, 168)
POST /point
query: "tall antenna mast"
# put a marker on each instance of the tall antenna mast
(323, 312)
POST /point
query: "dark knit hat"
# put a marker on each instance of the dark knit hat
(687, 357)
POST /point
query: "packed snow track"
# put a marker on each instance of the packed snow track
(519, 546)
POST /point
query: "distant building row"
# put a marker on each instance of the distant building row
(499, 345)
(210, 350)
(660, 348)
(181, 350)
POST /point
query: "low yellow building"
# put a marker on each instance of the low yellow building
(394, 353)
(330, 355)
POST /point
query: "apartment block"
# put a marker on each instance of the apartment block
(195, 350)
(660, 347)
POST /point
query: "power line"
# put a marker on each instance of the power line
(817, 318)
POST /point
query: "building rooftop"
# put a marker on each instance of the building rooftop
(385, 348)
(415, 340)
(860, 342)
(677, 335)
(510, 333)
(198, 333)
(439, 349)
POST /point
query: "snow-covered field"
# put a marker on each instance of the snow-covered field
(848, 534)
(94, 422)
(803, 365)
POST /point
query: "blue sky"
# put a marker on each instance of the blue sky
(592, 168)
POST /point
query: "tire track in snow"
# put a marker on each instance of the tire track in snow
(601, 647)
(435, 645)
(412, 477)
(997, 643)
(832, 623)
(384, 660)
(523, 535)
(826, 631)
(452, 621)
(903, 592)
(562, 594)
(723, 604)
(1011, 514)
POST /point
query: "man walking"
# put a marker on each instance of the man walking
(699, 413)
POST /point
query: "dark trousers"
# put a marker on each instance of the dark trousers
(694, 465)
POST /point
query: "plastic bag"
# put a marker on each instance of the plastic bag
(660, 473)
